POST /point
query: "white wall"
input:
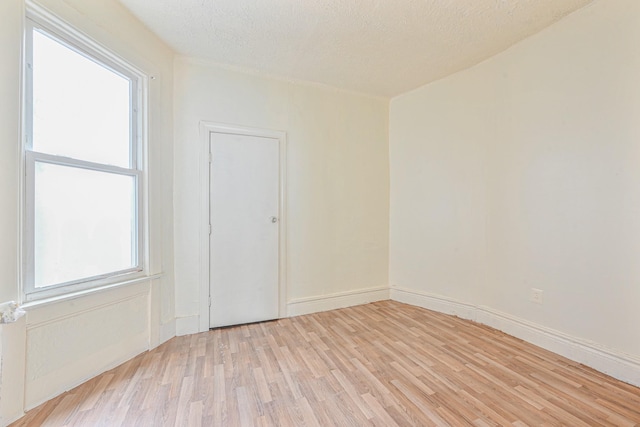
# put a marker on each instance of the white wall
(63, 343)
(337, 178)
(523, 172)
(10, 42)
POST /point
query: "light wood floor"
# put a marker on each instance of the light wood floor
(381, 364)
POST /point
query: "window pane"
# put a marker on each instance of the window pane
(84, 223)
(80, 108)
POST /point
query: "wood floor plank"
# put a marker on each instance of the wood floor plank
(380, 364)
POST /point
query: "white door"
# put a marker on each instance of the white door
(243, 245)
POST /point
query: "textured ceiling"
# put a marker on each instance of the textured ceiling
(380, 47)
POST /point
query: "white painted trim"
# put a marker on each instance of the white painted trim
(55, 311)
(622, 366)
(88, 292)
(206, 128)
(189, 325)
(160, 329)
(203, 298)
(300, 306)
(437, 303)
(77, 38)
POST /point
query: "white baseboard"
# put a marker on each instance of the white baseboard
(619, 365)
(187, 325)
(437, 303)
(319, 303)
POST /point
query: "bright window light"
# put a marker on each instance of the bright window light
(83, 223)
(80, 108)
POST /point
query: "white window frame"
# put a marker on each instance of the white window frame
(37, 19)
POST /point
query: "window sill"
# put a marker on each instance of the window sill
(86, 292)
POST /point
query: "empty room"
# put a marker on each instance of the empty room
(317, 213)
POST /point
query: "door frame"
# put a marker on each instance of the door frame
(206, 129)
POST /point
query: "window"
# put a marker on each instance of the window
(83, 185)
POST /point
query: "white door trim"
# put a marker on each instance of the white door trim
(206, 128)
